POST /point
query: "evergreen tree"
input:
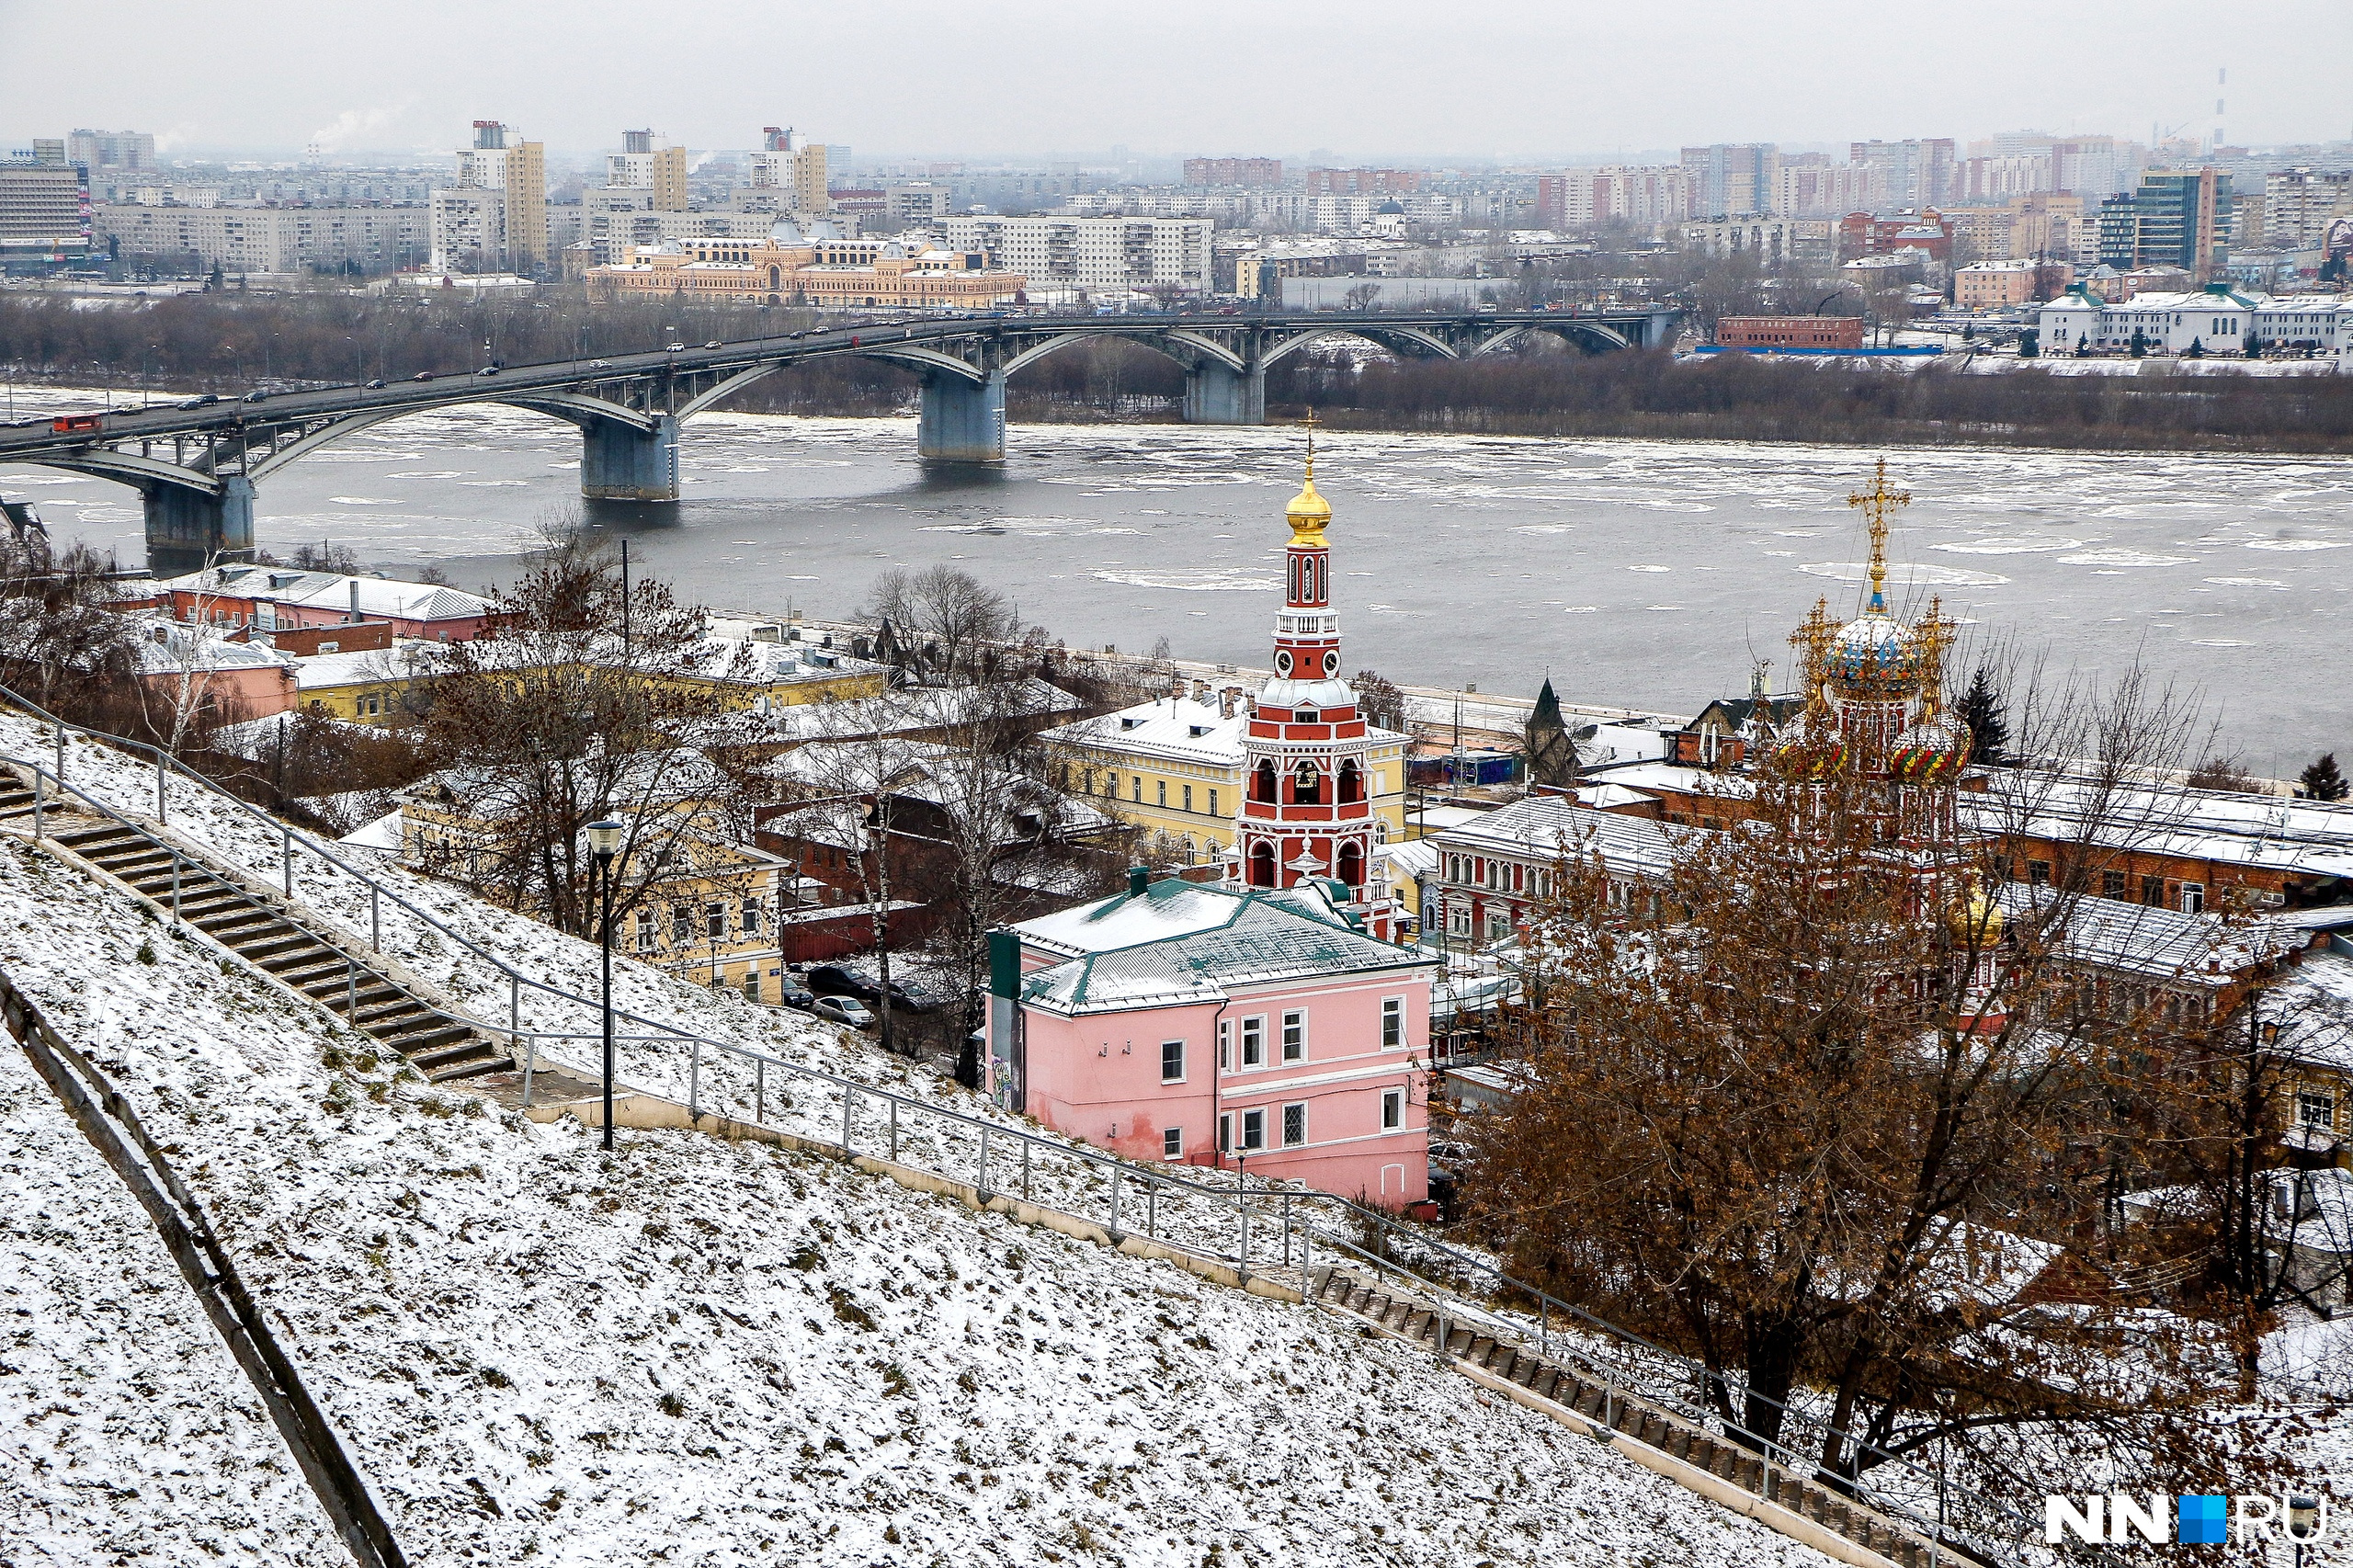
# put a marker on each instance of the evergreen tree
(2322, 782)
(2140, 344)
(2197, 348)
(1983, 709)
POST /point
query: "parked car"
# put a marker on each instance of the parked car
(832, 981)
(796, 995)
(826, 980)
(844, 1010)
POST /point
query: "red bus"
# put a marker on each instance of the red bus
(73, 424)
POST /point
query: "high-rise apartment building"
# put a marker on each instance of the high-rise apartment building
(495, 214)
(268, 239)
(1363, 182)
(648, 163)
(1733, 179)
(2298, 206)
(1254, 172)
(1613, 194)
(1919, 172)
(111, 149)
(798, 172)
(1814, 186)
(44, 211)
(1107, 253)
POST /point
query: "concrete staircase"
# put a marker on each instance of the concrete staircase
(1605, 1411)
(266, 933)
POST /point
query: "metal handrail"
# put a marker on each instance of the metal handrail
(1154, 1181)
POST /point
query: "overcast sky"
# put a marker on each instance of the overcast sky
(1368, 80)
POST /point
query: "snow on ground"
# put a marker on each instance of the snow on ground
(126, 1432)
(697, 1351)
(812, 1108)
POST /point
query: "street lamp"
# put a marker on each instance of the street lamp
(604, 839)
(2303, 1522)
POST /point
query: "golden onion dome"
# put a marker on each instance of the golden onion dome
(1308, 513)
(1977, 917)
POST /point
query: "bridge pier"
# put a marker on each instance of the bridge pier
(621, 462)
(188, 530)
(1217, 393)
(964, 421)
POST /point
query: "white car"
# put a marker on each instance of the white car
(845, 1010)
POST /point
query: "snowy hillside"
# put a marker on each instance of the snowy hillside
(696, 1352)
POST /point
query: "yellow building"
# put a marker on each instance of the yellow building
(791, 268)
(377, 687)
(758, 670)
(714, 909)
(1173, 767)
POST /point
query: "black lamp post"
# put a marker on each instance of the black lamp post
(604, 839)
(2303, 1523)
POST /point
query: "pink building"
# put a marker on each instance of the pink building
(286, 598)
(1193, 1022)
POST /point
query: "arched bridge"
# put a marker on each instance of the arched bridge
(195, 464)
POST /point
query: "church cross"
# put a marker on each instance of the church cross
(1875, 504)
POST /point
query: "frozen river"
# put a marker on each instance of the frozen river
(1635, 573)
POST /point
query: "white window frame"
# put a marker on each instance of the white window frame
(1254, 1130)
(1294, 1024)
(1225, 1132)
(1253, 1055)
(2193, 898)
(1300, 1142)
(1392, 1110)
(1172, 1143)
(1393, 1023)
(1225, 1045)
(1165, 1075)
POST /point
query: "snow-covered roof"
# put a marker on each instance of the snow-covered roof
(1414, 857)
(380, 599)
(1548, 825)
(171, 647)
(907, 711)
(2146, 940)
(1177, 728)
(318, 672)
(2260, 832)
(2313, 1005)
(1178, 943)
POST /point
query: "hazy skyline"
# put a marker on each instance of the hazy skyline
(1039, 77)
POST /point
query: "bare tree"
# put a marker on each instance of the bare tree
(558, 718)
(843, 794)
(1823, 1114)
(954, 622)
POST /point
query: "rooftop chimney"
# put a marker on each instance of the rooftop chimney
(355, 601)
(1139, 880)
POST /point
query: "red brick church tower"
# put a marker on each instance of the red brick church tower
(1307, 809)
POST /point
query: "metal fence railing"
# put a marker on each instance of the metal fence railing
(1264, 1227)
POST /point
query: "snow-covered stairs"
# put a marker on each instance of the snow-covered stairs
(266, 934)
(1607, 1409)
